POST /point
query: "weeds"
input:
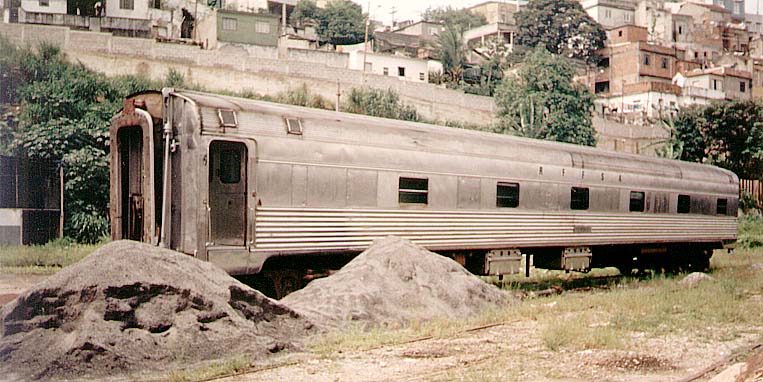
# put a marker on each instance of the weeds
(216, 369)
(46, 258)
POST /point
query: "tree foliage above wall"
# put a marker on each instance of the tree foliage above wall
(561, 27)
(725, 134)
(341, 22)
(542, 102)
(461, 18)
(65, 114)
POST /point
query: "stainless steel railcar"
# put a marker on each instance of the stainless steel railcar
(254, 186)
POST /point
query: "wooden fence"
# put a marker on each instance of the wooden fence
(752, 187)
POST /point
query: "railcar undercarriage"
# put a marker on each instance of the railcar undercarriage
(283, 275)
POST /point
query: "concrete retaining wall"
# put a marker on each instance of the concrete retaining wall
(237, 69)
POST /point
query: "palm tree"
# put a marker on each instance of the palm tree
(452, 52)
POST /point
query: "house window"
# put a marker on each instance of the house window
(684, 204)
(44, 3)
(680, 29)
(261, 27)
(422, 77)
(696, 54)
(126, 4)
(579, 198)
(664, 63)
(507, 195)
(715, 84)
(156, 4)
(619, 33)
(608, 13)
(386, 71)
(413, 191)
(646, 59)
(742, 86)
(721, 207)
(400, 71)
(637, 201)
(230, 24)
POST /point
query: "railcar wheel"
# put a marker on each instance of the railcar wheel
(286, 281)
(700, 261)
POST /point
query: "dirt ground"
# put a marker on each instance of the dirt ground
(508, 352)
(12, 284)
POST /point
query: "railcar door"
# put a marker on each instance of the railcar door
(130, 144)
(227, 193)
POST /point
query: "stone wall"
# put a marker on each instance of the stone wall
(237, 70)
(617, 136)
(257, 69)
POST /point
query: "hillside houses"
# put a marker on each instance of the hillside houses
(673, 54)
(659, 55)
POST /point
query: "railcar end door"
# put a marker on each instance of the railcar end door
(227, 193)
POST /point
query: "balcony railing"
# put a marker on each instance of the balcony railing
(693, 91)
(85, 22)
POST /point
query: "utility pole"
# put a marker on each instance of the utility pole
(393, 12)
(338, 95)
(365, 36)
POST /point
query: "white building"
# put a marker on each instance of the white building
(404, 68)
(44, 6)
(610, 13)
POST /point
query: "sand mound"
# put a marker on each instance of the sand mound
(394, 281)
(134, 307)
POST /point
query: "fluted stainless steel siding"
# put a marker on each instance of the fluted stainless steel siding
(299, 229)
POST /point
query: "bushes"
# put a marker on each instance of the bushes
(65, 111)
(379, 103)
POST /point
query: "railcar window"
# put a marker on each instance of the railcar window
(230, 166)
(507, 195)
(227, 117)
(637, 201)
(721, 208)
(414, 190)
(684, 204)
(294, 126)
(579, 198)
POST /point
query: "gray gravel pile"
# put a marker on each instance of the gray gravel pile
(135, 307)
(394, 281)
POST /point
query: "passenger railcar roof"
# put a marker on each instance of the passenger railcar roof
(573, 155)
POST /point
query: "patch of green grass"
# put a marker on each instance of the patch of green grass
(44, 259)
(751, 230)
(216, 369)
(580, 334)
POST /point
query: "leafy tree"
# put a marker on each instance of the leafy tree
(452, 53)
(305, 12)
(542, 102)
(726, 134)
(562, 27)
(462, 18)
(688, 124)
(737, 132)
(495, 55)
(379, 103)
(341, 22)
(65, 114)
